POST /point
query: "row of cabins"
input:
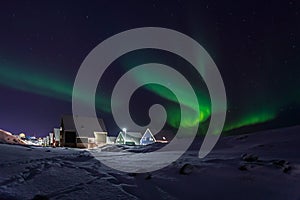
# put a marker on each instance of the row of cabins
(135, 138)
(91, 136)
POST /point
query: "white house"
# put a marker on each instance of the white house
(147, 138)
(129, 138)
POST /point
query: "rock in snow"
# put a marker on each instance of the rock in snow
(249, 157)
(186, 169)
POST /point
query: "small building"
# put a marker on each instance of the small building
(22, 136)
(100, 138)
(111, 139)
(69, 136)
(147, 138)
(56, 132)
(120, 138)
(47, 142)
(136, 138)
(51, 139)
(129, 138)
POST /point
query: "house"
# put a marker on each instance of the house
(120, 138)
(100, 138)
(129, 138)
(47, 141)
(111, 140)
(90, 134)
(51, 139)
(56, 132)
(136, 138)
(147, 138)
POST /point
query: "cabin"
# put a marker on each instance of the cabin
(100, 138)
(111, 140)
(51, 139)
(56, 132)
(120, 138)
(90, 135)
(147, 138)
(136, 138)
(129, 138)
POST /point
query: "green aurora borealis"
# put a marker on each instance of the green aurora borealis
(249, 118)
(51, 86)
(44, 84)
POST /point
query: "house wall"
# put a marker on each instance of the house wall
(120, 139)
(56, 134)
(100, 138)
(147, 140)
(69, 138)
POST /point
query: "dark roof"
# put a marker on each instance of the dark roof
(87, 127)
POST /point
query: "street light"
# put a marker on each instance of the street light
(124, 130)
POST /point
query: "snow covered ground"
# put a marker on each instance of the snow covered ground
(264, 165)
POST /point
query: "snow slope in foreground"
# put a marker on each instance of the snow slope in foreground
(263, 165)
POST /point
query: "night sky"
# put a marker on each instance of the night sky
(254, 44)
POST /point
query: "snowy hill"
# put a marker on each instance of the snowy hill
(263, 165)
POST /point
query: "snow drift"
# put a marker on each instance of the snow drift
(7, 137)
(264, 165)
